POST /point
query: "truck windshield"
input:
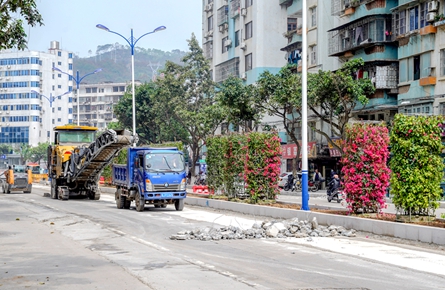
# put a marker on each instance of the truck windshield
(76, 136)
(19, 169)
(173, 162)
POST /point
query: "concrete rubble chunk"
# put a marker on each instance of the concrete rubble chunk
(292, 228)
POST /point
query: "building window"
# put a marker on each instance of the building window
(416, 66)
(94, 90)
(237, 38)
(248, 28)
(248, 62)
(59, 108)
(59, 63)
(414, 18)
(210, 23)
(402, 22)
(210, 1)
(313, 16)
(291, 24)
(224, 46)
(313, 55)
(88, 90)
(249, 3)
(115, 89)
(70, 55)
(122, 89)
(59, 86)
(70, 66)
(59, 53)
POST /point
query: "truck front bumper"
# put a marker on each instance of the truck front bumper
(149, 195)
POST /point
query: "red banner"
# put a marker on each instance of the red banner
(289, 151)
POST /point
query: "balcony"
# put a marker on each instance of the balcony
(226, 69)
(359, 34)
(223, 15)
(234, 8)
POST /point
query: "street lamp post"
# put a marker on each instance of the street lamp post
(77, 80)
(132, 42)
(51, 99)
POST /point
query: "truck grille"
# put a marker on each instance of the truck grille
(162, 187)
(21, 181)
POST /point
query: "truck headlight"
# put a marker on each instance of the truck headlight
(182, 187)
(148, 185)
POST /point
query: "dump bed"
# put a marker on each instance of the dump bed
(119, 175)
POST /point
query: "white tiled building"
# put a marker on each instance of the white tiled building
(26, 116)
(97, 101)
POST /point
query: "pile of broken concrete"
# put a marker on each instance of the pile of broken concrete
(266, 229)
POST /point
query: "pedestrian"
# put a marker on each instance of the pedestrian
(189, 176)
(332, 173)
(317, 176)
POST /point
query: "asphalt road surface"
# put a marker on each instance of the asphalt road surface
(84, 244)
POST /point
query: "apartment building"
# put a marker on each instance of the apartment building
(365, 30)
(96, 102)
(33, 98)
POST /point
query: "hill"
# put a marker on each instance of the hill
(115, 62)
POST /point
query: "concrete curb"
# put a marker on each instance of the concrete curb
(399, 230)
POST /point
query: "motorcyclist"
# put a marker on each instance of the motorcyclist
(290, 181)
(333, 184)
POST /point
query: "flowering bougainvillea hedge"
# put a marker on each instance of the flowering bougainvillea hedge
(366, 175)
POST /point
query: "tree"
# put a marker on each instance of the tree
(12, 33)
(280, 95)
(240, 106)
(187, 96)
(39, 152)
(24, 150)
(334, 96)
(5, 149)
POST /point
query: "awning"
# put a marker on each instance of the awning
(404, 5)
(292, 46)
(370, 17)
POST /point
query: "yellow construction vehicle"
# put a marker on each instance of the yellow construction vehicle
(78, 156)
(17, 178)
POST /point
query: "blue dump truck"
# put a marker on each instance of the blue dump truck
(154, 176)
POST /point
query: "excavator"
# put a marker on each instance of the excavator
(78, 156)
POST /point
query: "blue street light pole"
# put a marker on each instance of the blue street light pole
(51, 99)
(77, 80)
(132, 42)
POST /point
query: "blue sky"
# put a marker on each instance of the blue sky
(73, 23)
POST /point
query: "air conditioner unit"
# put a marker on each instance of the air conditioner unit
(433, 6)
(8, 79)
(228, 42)
(209, 34)
(209, 7)
(244, 76)
(243, 11)
(226, 26)
(7, 112)
(243, 45)
(221, 28)
(8, 66)
(430, 16)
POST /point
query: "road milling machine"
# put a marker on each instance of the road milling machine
(78, 156)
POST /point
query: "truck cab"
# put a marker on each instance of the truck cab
(151, 176)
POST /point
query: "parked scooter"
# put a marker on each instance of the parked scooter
(315, 185)
(289, 183)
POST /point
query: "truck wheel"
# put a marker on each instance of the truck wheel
(127, 203)
(94, 195)
(54, 194)
(139, 201)
(179, 204)
(120, 200)
(28, 190)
